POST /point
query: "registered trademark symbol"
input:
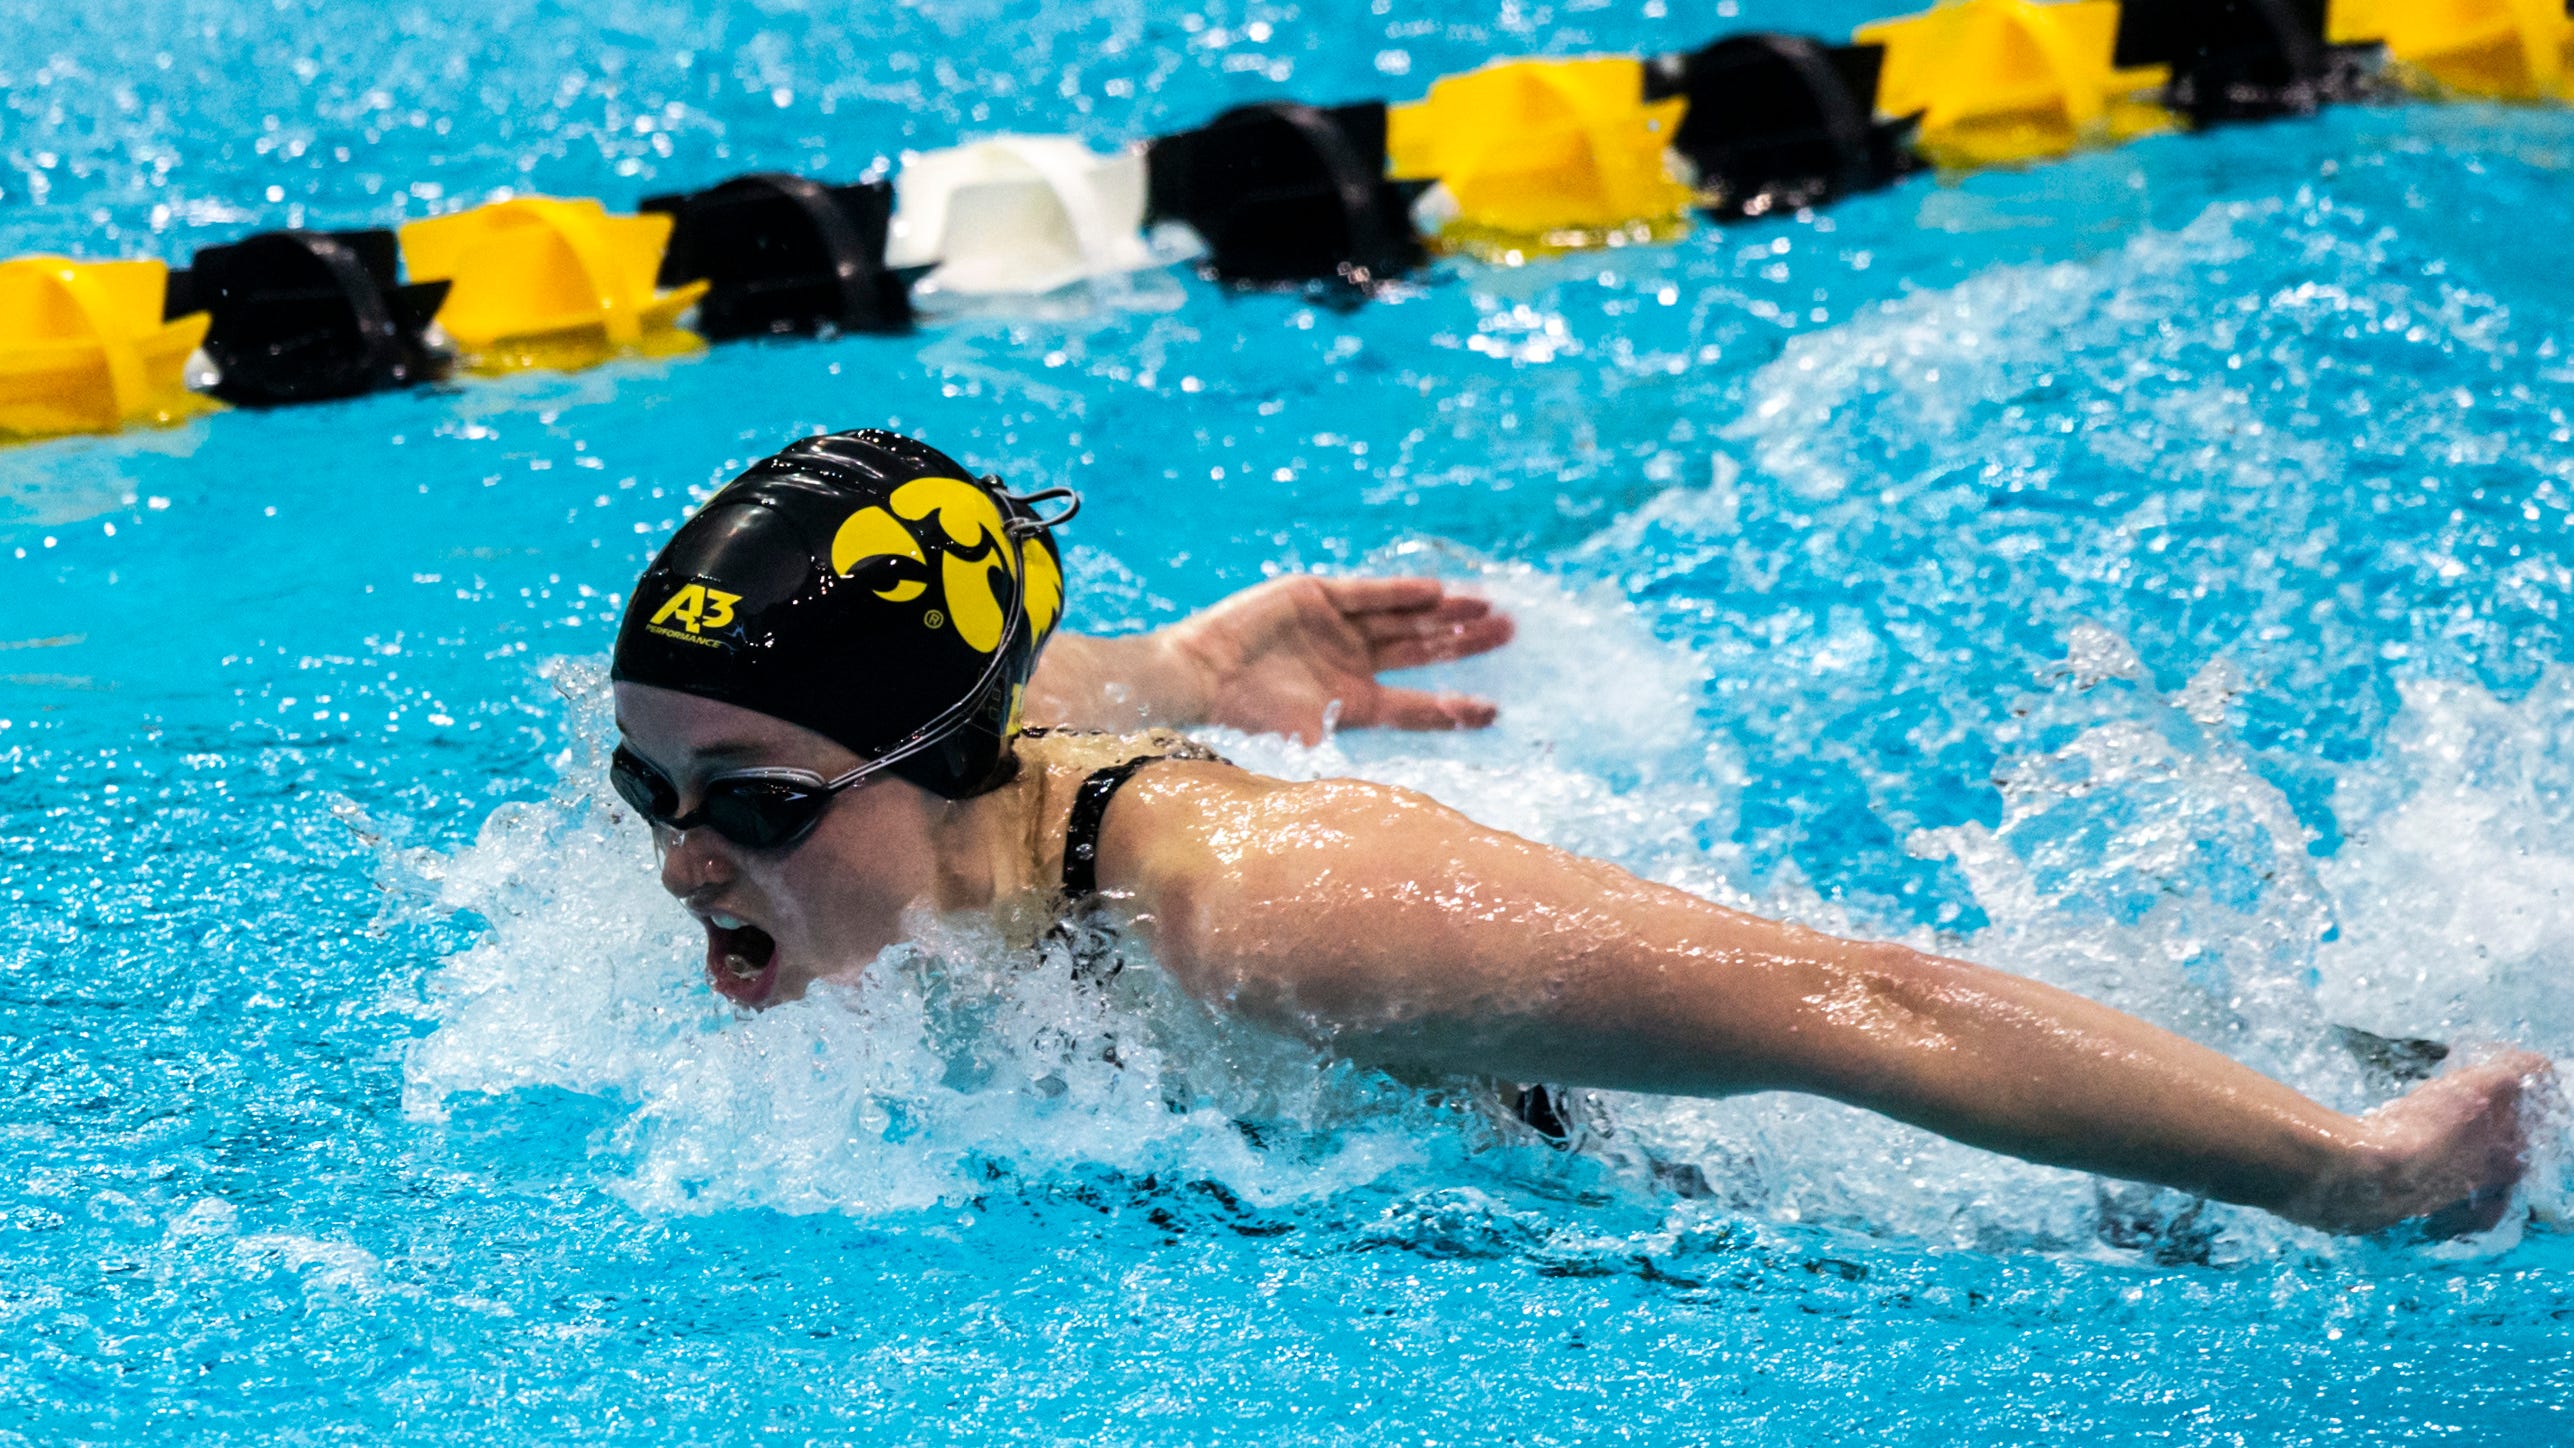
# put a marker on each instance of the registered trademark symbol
(933, 618)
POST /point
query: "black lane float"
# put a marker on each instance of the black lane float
(1776, 122)
(785, 255)
(1282, 192)
(2237, 60)
(301, 316)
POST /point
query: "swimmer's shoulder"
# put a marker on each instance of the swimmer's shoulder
(1056, 754)
(1058, 766)
(1177, 810)
(1179, 817)
(1174, 780)
(1206, 833)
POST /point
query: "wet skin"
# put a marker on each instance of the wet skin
(1379, 924)
(1276, 657)
(1383, 926)
(836, 898)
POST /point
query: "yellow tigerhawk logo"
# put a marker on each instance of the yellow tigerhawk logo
(979, 553)
(698, 608)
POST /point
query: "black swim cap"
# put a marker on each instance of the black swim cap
(864, 586)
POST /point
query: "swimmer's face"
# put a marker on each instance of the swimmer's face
(778, 920)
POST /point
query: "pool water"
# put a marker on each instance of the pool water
(2146, 572)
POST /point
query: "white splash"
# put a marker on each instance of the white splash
(2457, 879)
(2145, 862)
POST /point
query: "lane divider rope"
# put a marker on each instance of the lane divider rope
(1515, 159)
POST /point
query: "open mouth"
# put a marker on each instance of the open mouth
(741, 960)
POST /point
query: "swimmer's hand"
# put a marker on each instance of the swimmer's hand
(1297, 655)
(1276, 658)
(2448, 1153)
(1388, 928)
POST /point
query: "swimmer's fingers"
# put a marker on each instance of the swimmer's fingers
(1423, 709)
(1357, 596)
(1454, 643)
(1450, 627)
(1447, 611)
(1385, 608)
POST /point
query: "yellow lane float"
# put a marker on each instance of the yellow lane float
(1019, 215)
(542, 282)
(2517, 50)
(84, 348)
(1999, 81)
(1557, 153)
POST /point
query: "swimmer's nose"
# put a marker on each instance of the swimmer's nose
(694, 862)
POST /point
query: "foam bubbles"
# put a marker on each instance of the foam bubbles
(955, 1060)
(962, 1058)
(2457, 882)
(2140, 858)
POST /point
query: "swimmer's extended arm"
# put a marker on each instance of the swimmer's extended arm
(1276, 658)
(1388, 927)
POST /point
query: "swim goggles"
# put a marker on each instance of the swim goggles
(757, 809)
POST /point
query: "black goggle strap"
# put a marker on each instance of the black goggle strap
(957, 715)
(947, 722)
(1036, 523)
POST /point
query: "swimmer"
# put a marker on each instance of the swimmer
(821, 686)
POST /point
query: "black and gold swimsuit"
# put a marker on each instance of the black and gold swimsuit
(1080, 926)
(1092, 943)
(1090, 815)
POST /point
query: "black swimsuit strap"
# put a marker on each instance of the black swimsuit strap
(1089, 813)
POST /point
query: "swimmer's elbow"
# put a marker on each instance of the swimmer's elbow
(1848, 1017)
(1900, 974)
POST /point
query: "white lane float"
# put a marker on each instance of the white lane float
(1022, 215)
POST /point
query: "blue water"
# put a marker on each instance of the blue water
(2146, 572)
